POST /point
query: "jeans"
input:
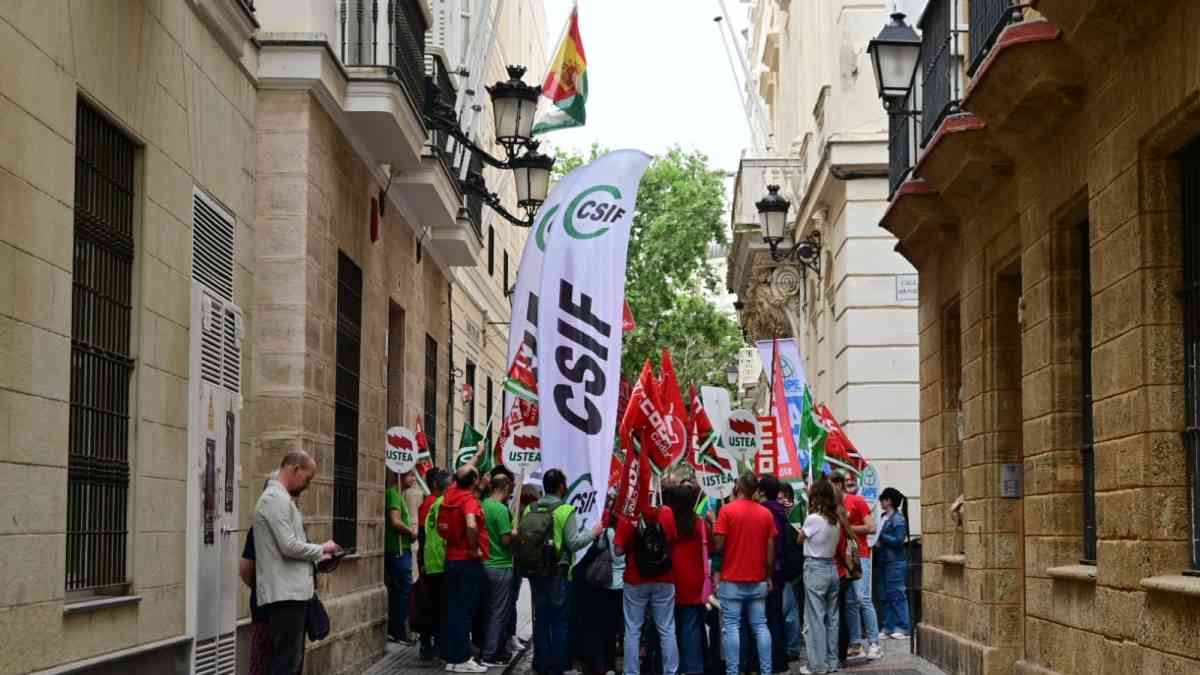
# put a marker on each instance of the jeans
(895, 598)
(777, 624)
(791, 619)
(464, 585)
(286, 623)
(749, 598)
(821, 614)
(500, 596)
(660, 599)
(551, 612)
(398, 572)
(860, 611)
(689, 633)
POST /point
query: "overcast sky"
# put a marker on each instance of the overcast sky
(657, 76)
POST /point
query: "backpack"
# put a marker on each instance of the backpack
(597, 564)
(452, 525)
(534, 552)
(792, 554)
(652, 551)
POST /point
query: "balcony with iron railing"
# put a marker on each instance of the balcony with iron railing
(939, 65)
(986, 20)
(388, 35)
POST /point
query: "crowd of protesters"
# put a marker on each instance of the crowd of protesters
(692, 585)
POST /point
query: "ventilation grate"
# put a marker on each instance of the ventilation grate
(212, 245)
(232, 334)
(210, 340)
(217, 656)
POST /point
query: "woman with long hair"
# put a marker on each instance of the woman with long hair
(689, 557)
(820, 535)
(893, 563)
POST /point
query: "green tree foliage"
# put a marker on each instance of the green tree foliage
(680, 213)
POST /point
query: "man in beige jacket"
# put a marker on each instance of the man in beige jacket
(284, 561)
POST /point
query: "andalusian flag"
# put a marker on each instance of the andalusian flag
(564, 93)
(812, 435)
(468, 445)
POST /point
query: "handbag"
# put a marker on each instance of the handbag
(849, 552)
(316, 620)
(597, 564)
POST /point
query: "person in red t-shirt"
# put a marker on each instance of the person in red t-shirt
(689, 559)
(657, 593)
(860, 611)
(460, 523)
(745, 536)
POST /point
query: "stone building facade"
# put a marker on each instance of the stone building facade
(161, 158)
(481, 295)
(824, 142)
(1046, 190)
(114, 117)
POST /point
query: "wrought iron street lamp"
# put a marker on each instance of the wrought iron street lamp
(513, 104)
(772, 214)
(731, 373)
(894, 56)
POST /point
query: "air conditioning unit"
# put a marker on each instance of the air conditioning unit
(214, 433)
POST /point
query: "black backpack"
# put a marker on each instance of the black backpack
(792, 555)
(534, 552)
(652, 551)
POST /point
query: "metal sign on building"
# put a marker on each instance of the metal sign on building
(906, 287)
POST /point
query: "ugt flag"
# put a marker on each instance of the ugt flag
(579, 323)
(793, 458)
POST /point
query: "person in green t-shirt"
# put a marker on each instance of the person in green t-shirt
(502, 589)
(397, 554)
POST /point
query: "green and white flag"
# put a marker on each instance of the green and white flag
(812, 436)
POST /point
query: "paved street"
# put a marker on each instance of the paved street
(404, 659)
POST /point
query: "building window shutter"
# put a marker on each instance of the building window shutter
(346, 402)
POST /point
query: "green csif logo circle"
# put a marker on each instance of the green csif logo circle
(588, 216)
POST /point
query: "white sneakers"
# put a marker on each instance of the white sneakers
(899, 636)
(468, 666)
(874, 652)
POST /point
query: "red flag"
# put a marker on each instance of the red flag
(627, 322)
(662, 435)
(422, 441)
(521, 413)
(703, 458)
(668, 389)
(522, 374)
(838, 446)
(633, 497)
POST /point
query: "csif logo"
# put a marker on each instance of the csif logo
(581, 494)
(588, 216)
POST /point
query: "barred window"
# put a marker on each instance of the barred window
(345, 432)
(1190, 173)
(431, 375)
(490, 410)
(101, 359)
(470, 405)
(1087, 456)
(491, 250)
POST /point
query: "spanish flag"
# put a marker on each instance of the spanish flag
(564, 93)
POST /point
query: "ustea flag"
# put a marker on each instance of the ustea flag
(564, 92)
(579, 325)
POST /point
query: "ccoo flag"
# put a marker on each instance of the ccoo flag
(564, 92)
(579, 326)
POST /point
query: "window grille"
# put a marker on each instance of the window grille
(470, 405)
(1190, 173)
(345, 435)
(1087, 423)
(431, 376)
(101, 361)
(490, 411)
(491, 250)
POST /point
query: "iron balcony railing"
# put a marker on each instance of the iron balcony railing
(987, 20)
(940, 65)
(387, 34)
(439, 101)
(903, 132)
(474, 201)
